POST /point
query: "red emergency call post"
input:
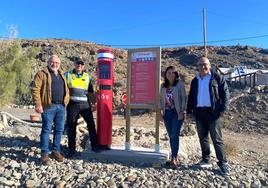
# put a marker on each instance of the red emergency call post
(105, 76)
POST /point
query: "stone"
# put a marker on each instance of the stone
(14, 164)
(23, 166)
(111, 183)
(9, 183)
(16, 175)
(131, 177)
(67, 177)
(92, 184)
(256, 184)
(100, 181)
(234, 183)
(82, 176)
(30, 183)
(60, 184)
(2, 180)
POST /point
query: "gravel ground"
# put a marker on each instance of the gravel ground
(20, 161)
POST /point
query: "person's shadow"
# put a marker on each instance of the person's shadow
(18, 148)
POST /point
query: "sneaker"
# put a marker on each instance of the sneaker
(224, 167)
(45, 160)
(204, 164)
(57, 156)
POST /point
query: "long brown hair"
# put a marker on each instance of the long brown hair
(166, 82)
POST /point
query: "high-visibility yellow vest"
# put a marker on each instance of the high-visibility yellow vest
(78, 86)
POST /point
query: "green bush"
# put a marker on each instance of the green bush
(15, 74)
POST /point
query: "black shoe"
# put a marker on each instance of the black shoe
(96, 149)
(72, 154)
(204, 164)
(104, 147)
(224, 168)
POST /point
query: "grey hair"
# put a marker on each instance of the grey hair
(51, 57)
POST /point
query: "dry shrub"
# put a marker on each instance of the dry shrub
(230, 149)
(249, 52)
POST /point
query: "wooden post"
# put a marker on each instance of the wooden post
(157, 115)
(127, 143)
(128, 109)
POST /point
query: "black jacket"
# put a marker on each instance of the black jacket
(219, 95)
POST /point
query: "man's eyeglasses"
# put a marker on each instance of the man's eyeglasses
(55, 62)
(202, 65)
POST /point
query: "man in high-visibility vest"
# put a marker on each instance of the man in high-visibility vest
(81, 97)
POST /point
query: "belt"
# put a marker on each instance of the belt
(203, 108)
(57, 102)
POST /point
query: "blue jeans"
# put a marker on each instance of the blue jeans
(173, 126)
(56, 114)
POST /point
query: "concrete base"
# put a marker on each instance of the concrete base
(134, 155)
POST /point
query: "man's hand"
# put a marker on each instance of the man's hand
(190, 116)
(181, 116)
(93, 107)
(39, 108)
(92, 98)
(221, 114)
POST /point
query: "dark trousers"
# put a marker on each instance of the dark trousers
(73, 111)
(207, 124)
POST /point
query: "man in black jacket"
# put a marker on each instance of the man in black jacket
(207, 101)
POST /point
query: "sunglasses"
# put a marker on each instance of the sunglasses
(79, 63)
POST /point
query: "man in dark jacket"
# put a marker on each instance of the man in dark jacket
(207, 101)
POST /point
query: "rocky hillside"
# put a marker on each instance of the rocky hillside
(182, 57)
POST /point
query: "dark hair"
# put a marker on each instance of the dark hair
(166, 82)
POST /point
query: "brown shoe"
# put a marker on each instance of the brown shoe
(174, 163)
(45, 160)
(57, 156)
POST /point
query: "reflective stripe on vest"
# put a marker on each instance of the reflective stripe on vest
(78, 86)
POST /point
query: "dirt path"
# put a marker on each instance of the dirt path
(250, 149)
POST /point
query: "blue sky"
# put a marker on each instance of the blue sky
(123, 23)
